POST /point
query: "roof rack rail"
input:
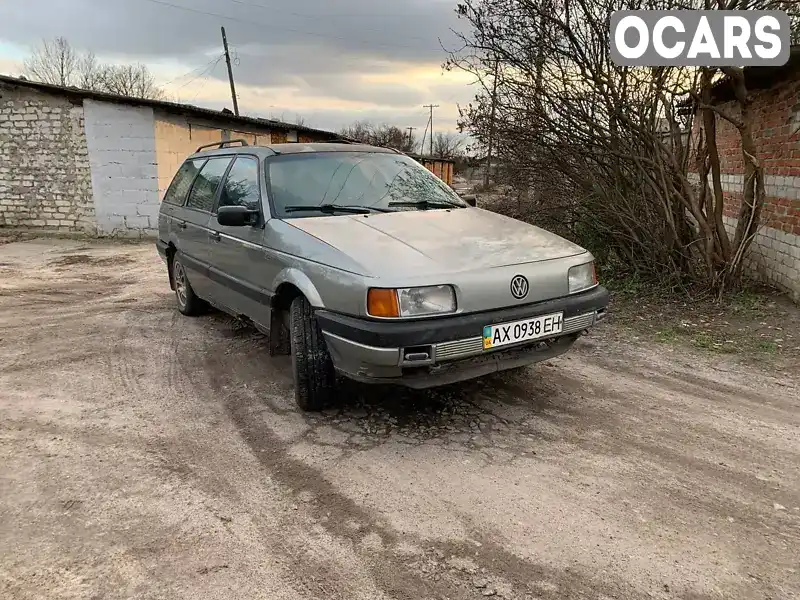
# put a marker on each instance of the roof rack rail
(341, 141)
(223, 143)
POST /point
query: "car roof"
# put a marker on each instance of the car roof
(293, 148)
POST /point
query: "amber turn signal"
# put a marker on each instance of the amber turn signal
(382, 303)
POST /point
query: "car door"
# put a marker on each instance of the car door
(237, 254)
(193, 238)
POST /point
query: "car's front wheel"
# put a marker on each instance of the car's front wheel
(312, 367)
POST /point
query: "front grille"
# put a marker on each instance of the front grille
(578, 323)
(474, 346)
(459, 348)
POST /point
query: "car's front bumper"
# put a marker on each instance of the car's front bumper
(378, 351)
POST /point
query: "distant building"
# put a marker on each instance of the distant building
(80, 161)
(443, 168)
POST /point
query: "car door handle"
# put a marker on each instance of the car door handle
(181, 224)
(214, 235)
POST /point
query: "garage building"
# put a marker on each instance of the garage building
(74, 160)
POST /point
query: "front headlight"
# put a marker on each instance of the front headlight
(582, 277)
(411, 302)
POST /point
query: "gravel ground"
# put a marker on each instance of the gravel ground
(148, 455)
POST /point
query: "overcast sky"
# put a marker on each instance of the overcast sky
(331, 61)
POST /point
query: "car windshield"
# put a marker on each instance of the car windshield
(372, 181)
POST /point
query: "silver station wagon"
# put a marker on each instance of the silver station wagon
(357, 260)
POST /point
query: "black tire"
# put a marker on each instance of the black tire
(312, 367)
(188, 302)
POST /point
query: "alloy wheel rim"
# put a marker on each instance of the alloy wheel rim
(180, 284)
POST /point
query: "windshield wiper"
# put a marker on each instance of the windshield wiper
(426, 204)
(329, 209)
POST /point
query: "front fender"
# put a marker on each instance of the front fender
(301, 281)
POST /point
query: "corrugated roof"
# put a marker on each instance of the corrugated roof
(759, 78)
(428, 157)
(756, 78)
(173, 107)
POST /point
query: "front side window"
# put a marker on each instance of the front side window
(354, 181)
(177, 190)
(204, 190)
(241, 185)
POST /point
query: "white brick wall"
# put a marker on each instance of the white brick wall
(774, 257)
(122, 155)
(44, 171)
(774, 185)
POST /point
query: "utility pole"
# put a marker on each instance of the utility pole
(410, 136)
(230, 73)
(431, 106)
(491, 127)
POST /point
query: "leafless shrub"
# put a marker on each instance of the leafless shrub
(602, 151)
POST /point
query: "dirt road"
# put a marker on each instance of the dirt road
(148, 455)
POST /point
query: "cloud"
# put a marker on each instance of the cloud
(330, 62)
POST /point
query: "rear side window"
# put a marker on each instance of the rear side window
(241, 185)
(204, 190)
(177, 190)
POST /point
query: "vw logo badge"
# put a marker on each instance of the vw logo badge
(519, 287)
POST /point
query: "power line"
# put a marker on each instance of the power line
(282, 28)
(425, 133)
(320, 18)
(324, 16)
(205, 81)
(210, 67)
(205, 66)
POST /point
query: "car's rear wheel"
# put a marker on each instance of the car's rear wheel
(188, 302)
(312, 367)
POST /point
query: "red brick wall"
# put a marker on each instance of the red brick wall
(775, 254)
(777, 134)
(776, 119)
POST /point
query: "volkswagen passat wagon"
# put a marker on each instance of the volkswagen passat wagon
(357, 260)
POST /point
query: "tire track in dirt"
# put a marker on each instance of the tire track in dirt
(396, 576)
(218, 461)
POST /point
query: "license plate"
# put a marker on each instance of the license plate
(495, 336)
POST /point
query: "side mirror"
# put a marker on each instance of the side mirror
(236, 216)
(470, 199)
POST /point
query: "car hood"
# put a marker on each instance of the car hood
(436, 241)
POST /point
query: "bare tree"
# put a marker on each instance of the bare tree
(135, 81)
(448, 145)
(604, 148)
(360, 131)
(58, 63)
(53, 61)
(384, 135)
(89, 72)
